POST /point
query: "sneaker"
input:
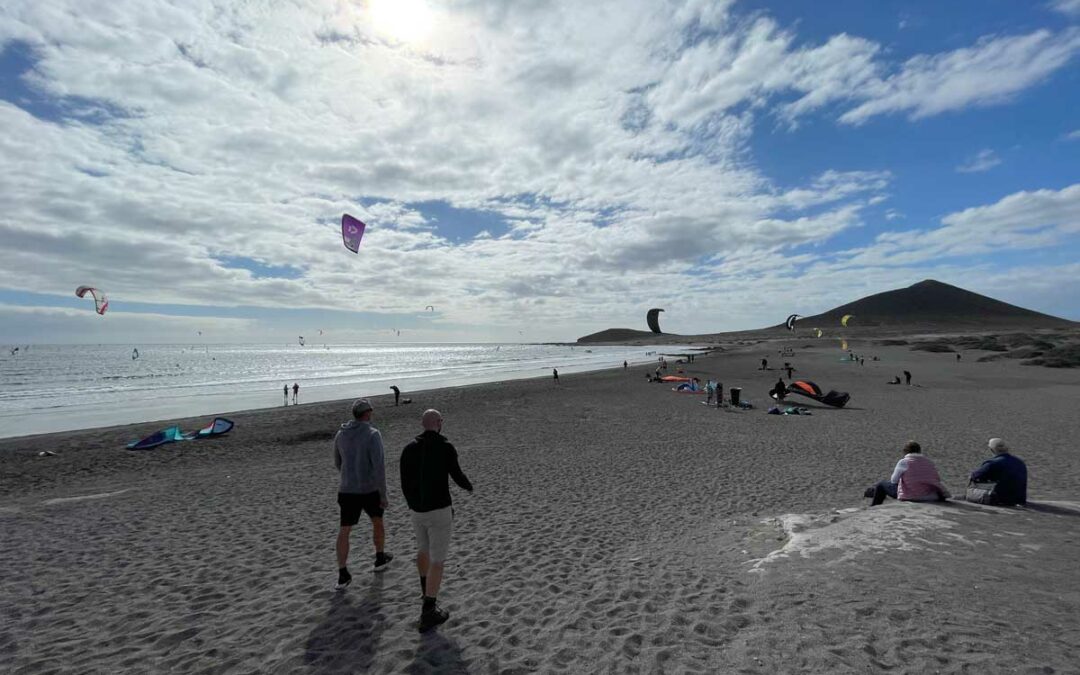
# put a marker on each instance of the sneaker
(382, 560)
(869, 494)
(343, 579)
(432, 617)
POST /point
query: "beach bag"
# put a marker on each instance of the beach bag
(982, 493)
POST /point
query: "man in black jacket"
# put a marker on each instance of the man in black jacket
(426, 463)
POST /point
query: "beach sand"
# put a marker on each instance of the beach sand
(616, 527)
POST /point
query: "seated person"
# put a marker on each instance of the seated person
(915, 479)
(1008, 471)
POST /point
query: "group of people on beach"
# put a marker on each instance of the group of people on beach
(426, 465)
(1000, 480)
(295, 394)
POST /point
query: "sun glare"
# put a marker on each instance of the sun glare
(402, 20)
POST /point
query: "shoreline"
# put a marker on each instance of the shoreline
(157, 409)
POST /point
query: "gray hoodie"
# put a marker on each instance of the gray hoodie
(358, 454)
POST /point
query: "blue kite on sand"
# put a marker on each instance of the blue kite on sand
(218, 427)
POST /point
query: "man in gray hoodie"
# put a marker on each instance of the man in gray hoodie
(358, 455)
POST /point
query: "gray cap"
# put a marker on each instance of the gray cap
(361, 406)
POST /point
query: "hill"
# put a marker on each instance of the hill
(932, 304)
(626, 335)
(928, 306)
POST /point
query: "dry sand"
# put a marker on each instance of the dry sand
(616, 527)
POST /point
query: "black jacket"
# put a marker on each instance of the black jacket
(425, 465)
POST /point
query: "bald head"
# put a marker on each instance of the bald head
(432, 420)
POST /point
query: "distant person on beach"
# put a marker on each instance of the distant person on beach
(286, 390)
(915, 479)
(957, 356)
(764, 364)
(426, 465)
(788, 368)
(710, 391)
(862, 360)
(779, 391)
(555, 375)
(397, 394)
(1007, 471)
(895, 380)
(907, 377)
(295, 393)
(625, 365)
(358, 455)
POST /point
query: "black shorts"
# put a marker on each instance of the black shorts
(352, 504)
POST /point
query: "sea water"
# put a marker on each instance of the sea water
(48, 388)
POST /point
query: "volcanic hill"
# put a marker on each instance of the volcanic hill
(932, 304)
(928, 306)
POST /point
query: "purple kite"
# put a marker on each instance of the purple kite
(352, 231)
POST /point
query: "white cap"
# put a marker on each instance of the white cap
(999, 446)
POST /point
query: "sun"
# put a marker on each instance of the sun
(402, 20)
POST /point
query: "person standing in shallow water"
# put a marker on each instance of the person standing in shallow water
(427, 464)
(358, 455)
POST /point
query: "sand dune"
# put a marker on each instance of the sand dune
(616, 527)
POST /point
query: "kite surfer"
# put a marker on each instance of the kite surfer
(779, 391)
(295, 394)
(358, 455)
(426, 465)
(397, 394)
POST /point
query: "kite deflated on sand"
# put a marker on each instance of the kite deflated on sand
(837, 399)
(219, 427)
(101, 301)
(352, 231)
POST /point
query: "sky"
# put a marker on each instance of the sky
(533, 170)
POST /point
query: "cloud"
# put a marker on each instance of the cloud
(984, 160)
(1021, 221)
(1069, 8)
(989, 72)
(1073, 135)
(611, 137)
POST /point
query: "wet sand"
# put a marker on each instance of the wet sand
(616, 527)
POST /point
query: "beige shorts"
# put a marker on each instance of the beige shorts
(433, 530)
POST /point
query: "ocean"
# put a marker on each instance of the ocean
(47, 388)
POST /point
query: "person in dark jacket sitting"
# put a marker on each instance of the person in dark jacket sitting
(1008, 471)
(426, 464)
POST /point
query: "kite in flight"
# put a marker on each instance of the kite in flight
(653, 318)
(429, 307)
(352, 231)
(790, 323)
(301, 340)
(818, 331)
(101, 302)
(135, 354)
(843, 321)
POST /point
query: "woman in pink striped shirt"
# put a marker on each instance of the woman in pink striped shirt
(915, 479)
